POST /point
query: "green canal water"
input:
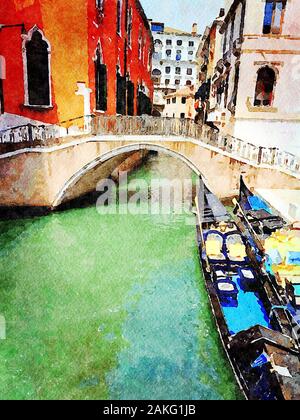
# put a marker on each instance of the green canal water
(107, 307)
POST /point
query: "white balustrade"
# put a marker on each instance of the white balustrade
(147, 125)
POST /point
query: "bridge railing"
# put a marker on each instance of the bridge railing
(145, 125)
(28, 134)
(153, 126)
(157, 126)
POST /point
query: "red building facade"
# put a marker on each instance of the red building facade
(62, 60)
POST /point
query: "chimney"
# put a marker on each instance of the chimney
(222, 13)
(195, 29)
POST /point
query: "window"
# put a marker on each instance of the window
(179, 42)
(183, 101)
(264, 91)
(167, 81)
(157, 27)
(169, 101)
(174, 100)
(130, 98)
(156, 72)
(169, 42)
(178, 55)
(191, 53)
(274, 13)
(129, 26)
(191, 43)
(100, 6)
(168, 70)
(140, 42)
(226, 90)
(182, 115)
(100, 81)
(188, 83)
(156, 76)
(158, 43)
(233, 102)
(121, 94)
(157, 56)
(189, 72)
(119, 17)
(144, 51)
(37, 64)
(178, 70)
(168, 53)
(177, 82)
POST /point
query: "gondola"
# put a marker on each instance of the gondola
(269, 235)
(256, 333)
(260, 216)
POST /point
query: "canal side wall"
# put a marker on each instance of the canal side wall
(48, 176)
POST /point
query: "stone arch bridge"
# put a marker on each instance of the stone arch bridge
(47, 166)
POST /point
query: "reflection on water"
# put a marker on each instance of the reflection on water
(108, 306)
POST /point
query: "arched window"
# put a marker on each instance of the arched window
(144, 59)
(100, 6)
(156, 73)
(129, 26)
(140, 41)
(119, 17)
(264, 91)
(37, 70)
(156, 76)
(100, 81)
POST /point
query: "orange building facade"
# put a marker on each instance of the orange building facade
(62, 60)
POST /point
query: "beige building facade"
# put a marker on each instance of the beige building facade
(255, 85)
(174, 63)
(180, 104)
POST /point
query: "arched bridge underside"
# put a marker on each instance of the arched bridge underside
(50, 176)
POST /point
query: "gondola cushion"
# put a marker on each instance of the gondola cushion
(213, 248)
(247, 274)
(247, 278)
(227, 288)
(237, 251)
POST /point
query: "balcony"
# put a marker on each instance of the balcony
(237, 47)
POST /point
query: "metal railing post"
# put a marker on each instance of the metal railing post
(30, 136)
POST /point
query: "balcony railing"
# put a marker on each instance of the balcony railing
(187, 130)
